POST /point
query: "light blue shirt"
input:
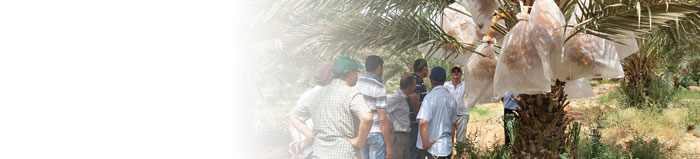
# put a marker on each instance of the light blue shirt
(439, 109)
(509, 104)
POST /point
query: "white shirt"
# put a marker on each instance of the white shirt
(309, 123)
(439, 110)
(458, 92)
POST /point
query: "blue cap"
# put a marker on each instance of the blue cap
(438, 74)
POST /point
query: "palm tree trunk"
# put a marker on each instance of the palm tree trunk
(542, 125)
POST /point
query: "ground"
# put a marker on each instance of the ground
(487, 130)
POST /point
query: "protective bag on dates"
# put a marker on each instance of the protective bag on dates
(580, 88)
(586, 55)
(460, 27)
(521, 68)
(548, 27)
(479, 74)
(482, 13)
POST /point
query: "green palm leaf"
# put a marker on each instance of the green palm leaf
(608, 19)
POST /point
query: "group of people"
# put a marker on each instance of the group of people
(348, 115)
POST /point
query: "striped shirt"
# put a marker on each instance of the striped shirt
(420, 89)
(371, 87)
(336, 111)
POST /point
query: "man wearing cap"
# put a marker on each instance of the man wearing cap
(437, 117)
(299, 148)
(420, 71)
(457, 89)
(341, 117)
(378, 144)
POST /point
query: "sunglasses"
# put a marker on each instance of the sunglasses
(456, 71)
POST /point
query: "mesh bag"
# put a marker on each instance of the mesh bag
(482, 13)
(586, 55)
(580, 88)
(480, 71)
(521, 68)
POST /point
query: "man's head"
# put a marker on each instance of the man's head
(407, 84)
(420, 67)
(323, 75)
(346, 69)
(375, 64)
(456, 73)
(437, 76)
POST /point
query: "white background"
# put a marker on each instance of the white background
(121, 79)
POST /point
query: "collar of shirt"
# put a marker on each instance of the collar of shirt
(373, 75)
(401, 94)
(417, 77)
(450, 83)
(439, 87)
(338, 82)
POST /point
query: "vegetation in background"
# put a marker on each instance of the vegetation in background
(593, 147)
(667, 124)
(478, 113)
(642, 87)
(614, 97)
(469, 150)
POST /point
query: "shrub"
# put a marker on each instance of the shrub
(469, 150)
(652, 149)
(593, 147)
(612, 98)
(657, 93)
(667, 124)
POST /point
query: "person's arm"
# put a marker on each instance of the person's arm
(360, 109)
(384, 123)
(300, 126)
(385, 127)
(453, 120)
(414, 99)
(423, 127)
(293, 132)
(365, 125)
(454, 125)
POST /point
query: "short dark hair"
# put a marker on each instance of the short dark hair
(406, 82)
(373, 62)
(419, 64)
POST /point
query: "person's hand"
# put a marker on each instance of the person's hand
(306, 144)
(427, 146)
(294, 148)
(389, 154)
(355, 142)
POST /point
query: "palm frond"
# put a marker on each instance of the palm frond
(346, 26)
(608, 19)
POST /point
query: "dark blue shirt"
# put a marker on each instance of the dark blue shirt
(420, 89)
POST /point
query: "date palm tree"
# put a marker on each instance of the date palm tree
(323, 29)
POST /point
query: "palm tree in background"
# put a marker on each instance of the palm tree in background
(318, 30)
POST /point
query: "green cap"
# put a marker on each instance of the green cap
(345, 64)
